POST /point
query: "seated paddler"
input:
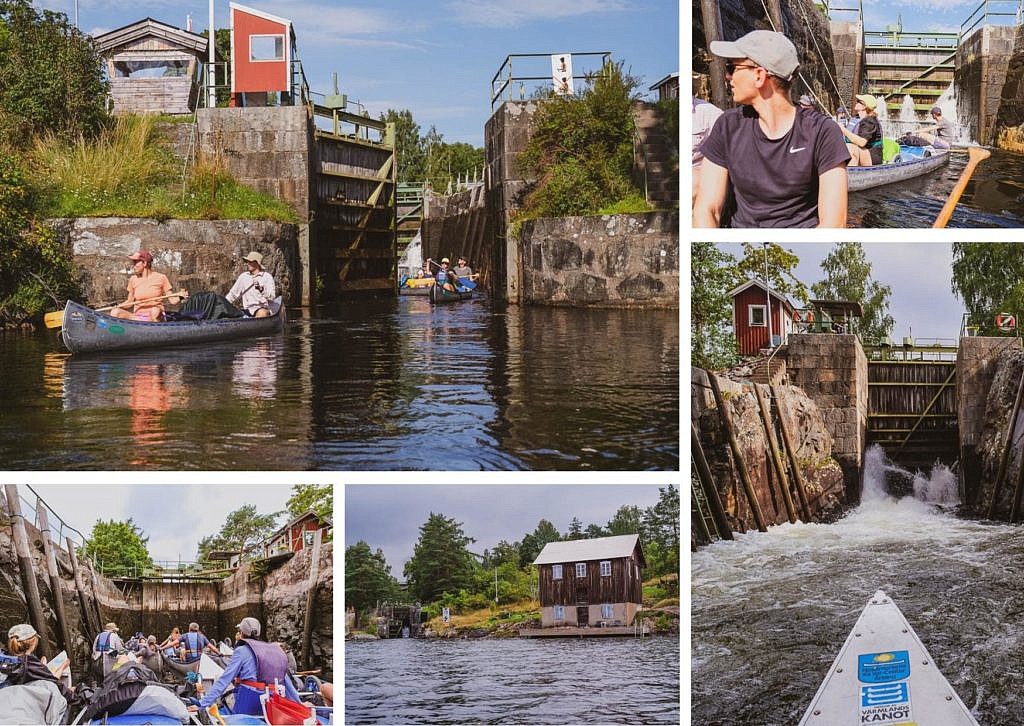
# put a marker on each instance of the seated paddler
(254, 287)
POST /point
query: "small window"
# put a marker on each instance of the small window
(756, 316)
(606, 611)
(266, 47)
(556, 572)
(581, 569)
(559, 612)
(606, 568)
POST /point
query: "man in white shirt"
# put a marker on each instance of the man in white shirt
(254, 287)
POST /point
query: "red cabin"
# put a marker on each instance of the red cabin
(295, 535)
(750, 321)
(262, 50)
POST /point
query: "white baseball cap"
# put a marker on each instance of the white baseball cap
(772, 51)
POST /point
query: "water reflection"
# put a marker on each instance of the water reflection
(394, 384)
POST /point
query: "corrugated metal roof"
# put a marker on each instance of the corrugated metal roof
(587, 549)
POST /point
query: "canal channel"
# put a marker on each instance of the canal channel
(771, 610)
(389, 384)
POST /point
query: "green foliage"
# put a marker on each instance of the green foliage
(36, 271)
(581, 150)
(632, 203)
(575, 529)
(989, 278)
(713, 341)
(318, 497)
(781, 265)
(51, 77)
(427, 157)
(848, 277)
(668, 111)
(628, 519)
(661, 522)
(533, 543)
(440, 561)
(243, 530)
(368, 578)
(410, 152)
(118, 548)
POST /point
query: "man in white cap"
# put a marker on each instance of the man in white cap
(108, 642)
(787, 166)
(255, 665)
(254, 287)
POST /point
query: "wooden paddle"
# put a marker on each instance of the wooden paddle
(55, 319)
(976, 155)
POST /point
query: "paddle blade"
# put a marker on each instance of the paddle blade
(54, 319)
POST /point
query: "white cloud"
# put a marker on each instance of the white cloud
(500, 13)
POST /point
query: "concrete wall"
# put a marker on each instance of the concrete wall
(457, 224)
(622, 611)
(848, 47)
(620, 260)
(981, 72)
(1011, 101)
(977, 362)
(198, 255)
(833, 371)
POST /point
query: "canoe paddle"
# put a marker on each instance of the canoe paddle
(55, 319)
(975, 155)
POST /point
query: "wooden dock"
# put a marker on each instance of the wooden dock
(574, 632)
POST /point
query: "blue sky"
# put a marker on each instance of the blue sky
(436, 58)
(918, 15)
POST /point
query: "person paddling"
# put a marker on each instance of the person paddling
(144, 287)
(254, 287)
(942, 138)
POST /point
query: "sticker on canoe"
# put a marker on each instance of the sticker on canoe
(883, 667)
(117, 329)
(890, 715)
(885, 695)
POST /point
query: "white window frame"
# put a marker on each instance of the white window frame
(607, 611)
(556, 572)
(284, 48)
(764, 316)
(606, 568)
(559, 612)
(581, 569)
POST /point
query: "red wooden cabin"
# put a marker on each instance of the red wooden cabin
(750, 319)
(262, 50)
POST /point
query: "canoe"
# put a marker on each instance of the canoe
(439, 295)
(868, 177)
(416, 286)
(87, 331)
(884, 674)
(176, 666)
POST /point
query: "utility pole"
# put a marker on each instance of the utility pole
(495, 585)
(211, 97)
(768, 294)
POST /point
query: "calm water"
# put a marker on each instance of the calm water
(994, 197)
(615, 680)
(392, 384)
(770, 611)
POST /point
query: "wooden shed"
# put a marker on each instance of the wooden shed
(153, 67)
(667, 87)
(750, 318)
(295, 535)
(591, 582)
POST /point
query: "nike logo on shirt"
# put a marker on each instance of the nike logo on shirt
(793, 151)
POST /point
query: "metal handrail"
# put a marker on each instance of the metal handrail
(504, 78)
(984, 14)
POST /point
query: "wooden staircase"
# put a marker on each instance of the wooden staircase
(653, 163)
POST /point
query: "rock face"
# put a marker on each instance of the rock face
(198, 255)
(998, 410)
(284, 604)
(823, 477)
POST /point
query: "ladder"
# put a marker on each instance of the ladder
(699, 505)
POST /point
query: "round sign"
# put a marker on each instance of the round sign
(1006, 322)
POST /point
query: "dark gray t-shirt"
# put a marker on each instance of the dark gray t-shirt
(775, 180)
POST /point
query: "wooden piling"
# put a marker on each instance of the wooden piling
(741, 466)
(1015, 507)
(707, 483)
(307, 628)
(720, 95)
(56, 591)
(787, 441)
(773, 447)
(87, 612)
(1004, 457)
(28, 578)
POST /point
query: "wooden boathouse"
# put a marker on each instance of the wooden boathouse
(590, 583)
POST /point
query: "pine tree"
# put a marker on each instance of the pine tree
(440, 562)
(368, 578)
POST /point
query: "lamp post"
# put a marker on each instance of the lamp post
(768, 294)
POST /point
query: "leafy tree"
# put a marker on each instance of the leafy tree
(118, 548)
(989, 278)
(503, 552)
(662, 524)
(440, 562)
(533, 543)
(449, 162)
(781, 266)
(243, 530)
(848, 277)
(593, 531)
(628, 519)
(51, 77)
(581, 150)
(712, 339)
(410, 150)
(368, 578)
(318, 497)
(575, 529)
(222, 45)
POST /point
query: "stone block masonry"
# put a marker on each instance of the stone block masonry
(982, 63)
(833, 371)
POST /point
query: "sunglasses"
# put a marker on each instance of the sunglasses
(731, 67)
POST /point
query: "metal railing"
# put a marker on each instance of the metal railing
(993, 12)
(504, 80)
(903, 39)
(300, 94)
(836, 12)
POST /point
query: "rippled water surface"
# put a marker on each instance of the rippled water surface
(771, 611)
(994, 197)
(393, 384)
(560, 681)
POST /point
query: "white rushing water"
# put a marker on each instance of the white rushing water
(770, 610)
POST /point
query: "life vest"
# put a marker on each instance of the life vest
(271, 666)
(103, 643)
(191, 645)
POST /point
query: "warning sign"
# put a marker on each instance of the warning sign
(889, 715)
(883, 667)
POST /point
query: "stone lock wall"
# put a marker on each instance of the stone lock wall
(458, 224)
(833, 371)
(982, 60)
(617, 260)
(1011, 101)
(198, 255)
